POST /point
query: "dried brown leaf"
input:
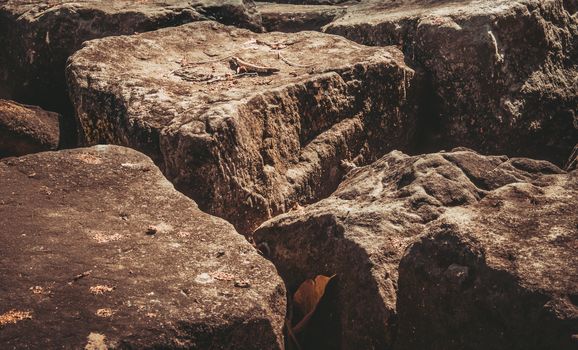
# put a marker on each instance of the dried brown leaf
(307, 297)
(14, 316)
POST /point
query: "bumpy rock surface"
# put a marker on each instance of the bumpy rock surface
(246, 146)
(501, 274)
(361, 231)
(98, 248)
(294, 18)
(502, 74)
(26, 129)
(37, 37)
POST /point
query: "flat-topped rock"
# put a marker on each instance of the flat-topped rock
(98, 249)
(37, 37)
(26, 129)
(250, 145)
(500, 274)
(362, 230)
(501, 74)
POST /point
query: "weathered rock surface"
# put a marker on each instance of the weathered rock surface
(501, 274)
(96, 242)
(26, 129)
(245, 147)
(361, 231)
(294, 18)
(37, 37)
(503, 74)
(308, 2)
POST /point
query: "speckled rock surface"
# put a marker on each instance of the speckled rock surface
(502, 74)
(38, 36)
(97, 247)
(500, 274)
(247, 146)
(362, 230)
(26, 129)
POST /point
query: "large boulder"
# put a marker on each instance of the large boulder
(500, 76)
(500, 274)
(37, 37)
(98, 249)
(247, 124)
(26, 129)
(362, 230)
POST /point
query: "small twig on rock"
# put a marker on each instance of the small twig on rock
(293, 64)
(246, 67)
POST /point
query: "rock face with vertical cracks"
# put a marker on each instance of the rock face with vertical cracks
(503, 74)
(37, 37)
(500, 274)
(26, 129)
(250, 145)
(98, 250)
(361, 231)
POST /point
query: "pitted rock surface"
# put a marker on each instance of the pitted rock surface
(37, 37)
(500, 76)
(244, 146)
(99, 249)
(362, 230)
(26, 129)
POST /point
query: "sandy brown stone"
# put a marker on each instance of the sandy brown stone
(362, 230)
(26, 129)
(38, 36)
(501, 274)
(75, 259)
(500, 76)
(246, 146)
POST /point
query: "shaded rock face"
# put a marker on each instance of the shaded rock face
(247, 146)
(98, 248)
(502, 74)
(26, 129)
(501, 274)
(362, 230)
(37, 37)
(294, 18)
(307, 2)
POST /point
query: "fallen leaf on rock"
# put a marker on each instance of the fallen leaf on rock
(101, 289)
(96, 341)
(106, 312)
(37, 290)
(307, 297)
(14, 316)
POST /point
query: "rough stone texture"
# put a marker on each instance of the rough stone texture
(308, 2)
(501, 274)
(37, 37)
(294, 18)
(26, 129)
(361, 231)
(75, 223)
(503, 74)
(244, 147)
